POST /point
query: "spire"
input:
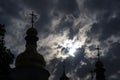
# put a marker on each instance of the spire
(31, 38)
(98, 54)
(99, 67)
(32, 18)
(64, 77)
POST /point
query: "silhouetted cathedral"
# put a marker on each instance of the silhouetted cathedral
(30, 64)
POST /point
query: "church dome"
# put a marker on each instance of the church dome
(29, 58)
(31, 31)
(29, 64)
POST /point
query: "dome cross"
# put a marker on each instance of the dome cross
(98, 54)
(33, 16)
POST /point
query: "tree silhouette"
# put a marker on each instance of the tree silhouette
(6, 57)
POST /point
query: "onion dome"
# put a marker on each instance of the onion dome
(30, 64)
(31, 38)
(32, 31)
(30, 57)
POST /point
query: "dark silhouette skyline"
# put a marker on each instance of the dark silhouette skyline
(30, 65)
(85, 23)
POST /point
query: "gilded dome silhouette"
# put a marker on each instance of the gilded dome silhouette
(30, 65)
(30, 57)
(32, 31)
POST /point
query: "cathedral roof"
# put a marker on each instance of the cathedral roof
(30, 58)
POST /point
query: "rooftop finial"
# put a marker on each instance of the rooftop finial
(98, 54)
(32, 18)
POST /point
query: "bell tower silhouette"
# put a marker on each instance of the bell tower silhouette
(99, 67)
(30, 64)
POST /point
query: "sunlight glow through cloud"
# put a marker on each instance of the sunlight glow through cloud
(69, 47)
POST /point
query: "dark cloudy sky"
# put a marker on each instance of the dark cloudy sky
(90, 22)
